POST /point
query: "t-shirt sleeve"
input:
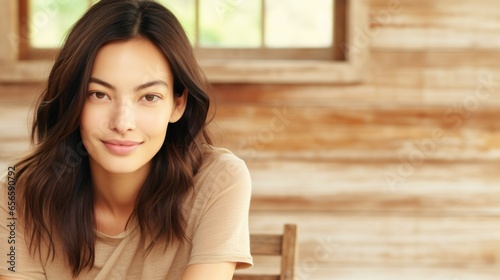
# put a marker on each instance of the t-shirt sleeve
(15, 259)
(222, 234)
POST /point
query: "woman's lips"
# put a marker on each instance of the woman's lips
(121, 147)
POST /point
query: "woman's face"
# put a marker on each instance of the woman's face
(129, 104)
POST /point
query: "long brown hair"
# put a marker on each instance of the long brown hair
(54, 183)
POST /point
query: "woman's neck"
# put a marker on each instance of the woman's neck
(115, 193)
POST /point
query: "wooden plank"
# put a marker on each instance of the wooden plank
(289, 254)
(20, 94)
(367, 132)
(420, 244)
(451, 59)
(354, 188)
(388, 86)
(25, 71)
(260, 277)
(394, 240)
(8, 28)
(382, 272)
(431, 24)
(348, 179)
(472, 79)
(14, 131)
(284, 246)
(266, 244)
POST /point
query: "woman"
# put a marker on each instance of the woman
(109, 192)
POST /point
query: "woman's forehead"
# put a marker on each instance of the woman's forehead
(136, 60)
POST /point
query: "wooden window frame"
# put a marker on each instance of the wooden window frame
(265, 53)
(27, 52)
(346, 65)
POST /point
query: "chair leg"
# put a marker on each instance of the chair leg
(289, 252)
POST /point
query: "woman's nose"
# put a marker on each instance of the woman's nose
(122, 118)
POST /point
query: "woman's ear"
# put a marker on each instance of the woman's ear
(180, 103)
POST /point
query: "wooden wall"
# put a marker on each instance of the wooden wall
(393, 178)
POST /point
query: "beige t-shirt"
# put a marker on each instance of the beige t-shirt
(217, 226)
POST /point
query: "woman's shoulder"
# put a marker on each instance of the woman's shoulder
(218, 157)
(221, 169)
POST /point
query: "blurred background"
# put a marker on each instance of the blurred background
(371, 124)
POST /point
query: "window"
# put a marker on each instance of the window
(218, 29)
(274, 47)
(44, 23)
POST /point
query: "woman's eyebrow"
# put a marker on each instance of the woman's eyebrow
(152, 83)
(143, 86)
(101, 82)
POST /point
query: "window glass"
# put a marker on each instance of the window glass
(185, 11)
(50, 20)
(221, 23)
(299, 23)
(230, 23)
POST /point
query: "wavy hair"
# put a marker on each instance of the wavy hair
(54, 184)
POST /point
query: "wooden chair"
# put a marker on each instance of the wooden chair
(284, 245)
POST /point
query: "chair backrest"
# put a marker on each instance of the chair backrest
(284, 245)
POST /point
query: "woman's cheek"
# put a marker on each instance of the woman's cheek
(154, 124)
(94, 121)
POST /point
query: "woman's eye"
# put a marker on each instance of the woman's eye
(98, 94)
(151, 97)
